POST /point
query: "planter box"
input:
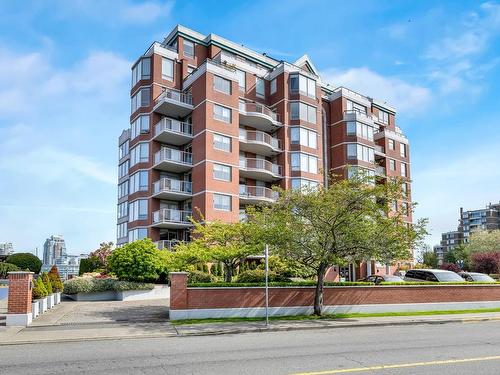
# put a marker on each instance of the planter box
(42, 305)
(50, 301)
(98, 296)
(57, 298)
(35, 308)
(159, 292)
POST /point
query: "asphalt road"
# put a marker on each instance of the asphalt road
(457, 348)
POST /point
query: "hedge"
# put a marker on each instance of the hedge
(327, 284)
(5, 268)
(25, 261)
(91, 285)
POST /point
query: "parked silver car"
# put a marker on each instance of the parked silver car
(438, 276)
(476, 276)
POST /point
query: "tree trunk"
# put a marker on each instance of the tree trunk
(318, 296)
(228, 273)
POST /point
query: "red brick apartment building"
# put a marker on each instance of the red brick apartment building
(214, 126)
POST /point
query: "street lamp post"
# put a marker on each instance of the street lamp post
(267, 283)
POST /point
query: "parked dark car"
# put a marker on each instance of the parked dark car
(432, 275)
(476, 276)
(377, 279)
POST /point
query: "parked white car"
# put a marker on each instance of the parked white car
(438, 276)
(476, 276)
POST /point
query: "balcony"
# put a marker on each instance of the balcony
(380, 171)
(167, 244)
(258, 142)
(171, 189)
(379, 150)
(259, 116)
(173, 132)
(257, 194)
(354, 115)
(172, 160)
(174, 103)
(259, 169)
(168, 218)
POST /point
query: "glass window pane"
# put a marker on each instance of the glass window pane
(167, 69)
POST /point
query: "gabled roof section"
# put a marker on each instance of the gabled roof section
(305, 62)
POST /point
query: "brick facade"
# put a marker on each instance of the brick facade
(20, 285)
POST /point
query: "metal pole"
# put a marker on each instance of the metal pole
(267, 284)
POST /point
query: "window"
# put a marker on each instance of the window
(139, 154)
(242, 79)
(304, 163)
(139, 126)
(383, 117)
(352, 106)
(222, 202)
(167, 69)
(138, 210)
(222, 143)
(123, 169)
(222, 85)
(402, 150)
(141, 70)
(121, 230)
(304, 137)
(222, 172)
(302, 84)
(123, 150)
(260, 88)
(222, 113)
(392, 165)
(404, 170)
(141, 99)
(392, 144)
(405, 209)
(302, 111)
(188, 48)
(300, 183)
(359, 129)
(122, 210)
(137, 234)
(138, 182)
(360, 152)
(273, 86)
(123, 189)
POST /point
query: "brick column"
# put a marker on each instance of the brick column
(19, 304)
(178, 294)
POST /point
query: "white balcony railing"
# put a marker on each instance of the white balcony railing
(175, 95)
(172, 185)
(251, 164)
(252, 136)
(168, 215)
(258, 192)
(259, 108)
(173, 155)
(379, 170)
(175, 126)
(167, 244)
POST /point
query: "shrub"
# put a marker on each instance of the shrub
(89, 264)
(137, 261)
(450, 267)
(55, 280)
(39, 291)
(310, 283)
(93, 285)
(258, 276)
(200, 277)
(47, 283)
(25, 261)
(486, 262)
(5, 268)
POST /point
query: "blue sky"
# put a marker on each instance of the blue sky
(65, 75)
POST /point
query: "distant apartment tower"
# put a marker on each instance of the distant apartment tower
(53, 248)
(487, 218)
(6, 248)
(214, 126)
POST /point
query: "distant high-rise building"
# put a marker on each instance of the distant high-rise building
(6, 248)
(53, 248)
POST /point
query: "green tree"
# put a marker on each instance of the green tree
(484, 241)
(39, 290)
(47, 283)
(55, 279)
(429, 258)
(348, 221)
(5, 268)
(460, 256)
(25, 261)
(137, 261)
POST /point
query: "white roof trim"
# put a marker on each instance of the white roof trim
(306, 60)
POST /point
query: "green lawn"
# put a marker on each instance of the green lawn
(333, 316)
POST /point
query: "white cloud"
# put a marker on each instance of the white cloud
(469, 43)
(145, 12)
(406, 97)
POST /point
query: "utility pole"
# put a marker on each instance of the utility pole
(267, 283)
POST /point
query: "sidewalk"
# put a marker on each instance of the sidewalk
(107, 330)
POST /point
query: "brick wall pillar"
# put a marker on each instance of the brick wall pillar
(178, 291)
(19, 303)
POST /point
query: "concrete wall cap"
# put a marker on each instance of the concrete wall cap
(178, 273)
(19, 272)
